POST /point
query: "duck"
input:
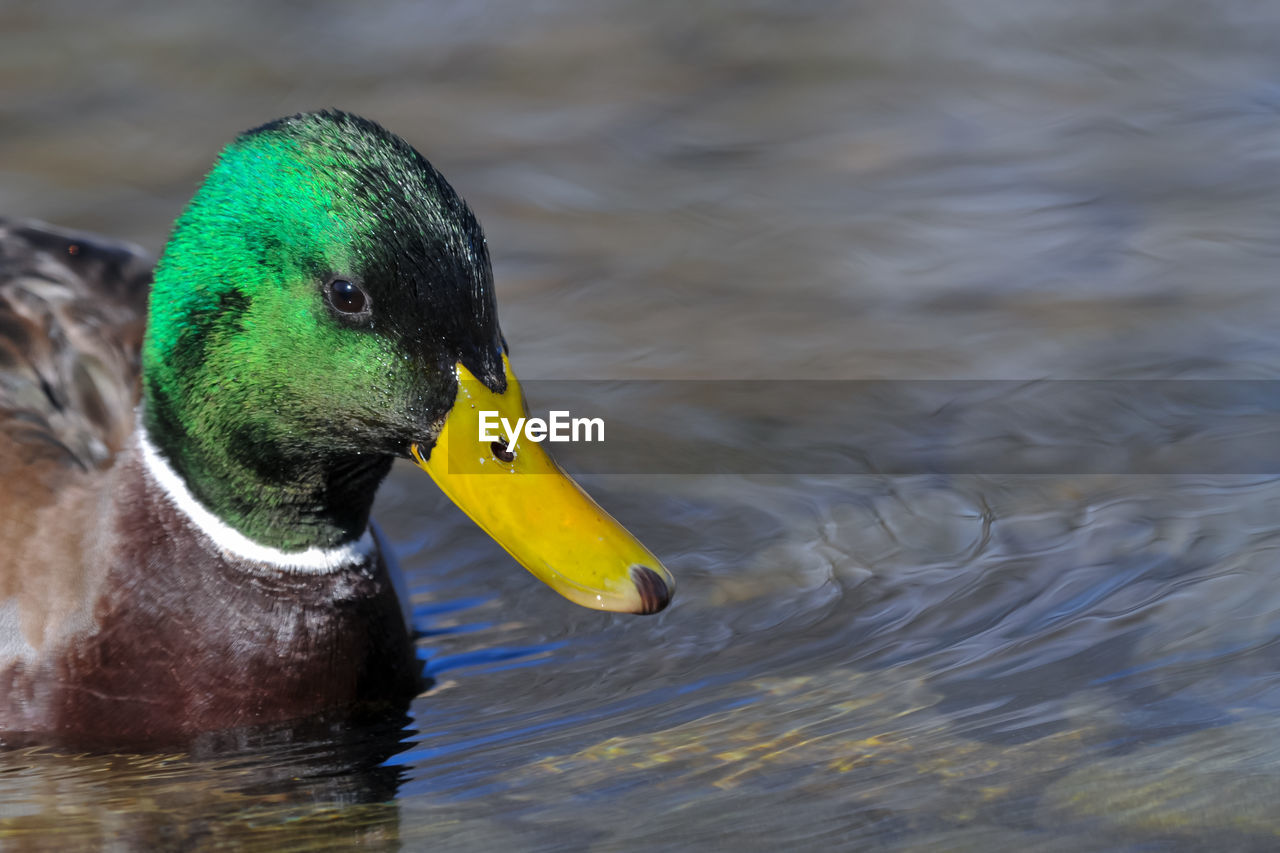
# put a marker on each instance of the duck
(189, 453)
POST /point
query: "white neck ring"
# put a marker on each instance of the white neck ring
(231, 542)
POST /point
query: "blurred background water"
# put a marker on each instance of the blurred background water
(990, 189)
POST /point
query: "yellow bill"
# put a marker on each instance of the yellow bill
(520, 497)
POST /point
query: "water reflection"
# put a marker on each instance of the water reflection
(314, 784)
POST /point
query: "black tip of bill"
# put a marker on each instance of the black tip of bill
(654, 592)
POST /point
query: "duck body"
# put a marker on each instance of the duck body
(189, 457)
(153, 655)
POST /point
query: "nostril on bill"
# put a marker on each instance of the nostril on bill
(654, 593)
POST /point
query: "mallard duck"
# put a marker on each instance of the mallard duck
(186, 543)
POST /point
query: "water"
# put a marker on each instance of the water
(964, 658)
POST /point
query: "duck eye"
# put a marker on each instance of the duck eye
(346, 296)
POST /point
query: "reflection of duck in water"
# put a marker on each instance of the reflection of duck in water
(322, 306)
(299, 784)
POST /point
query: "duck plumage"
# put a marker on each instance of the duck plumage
(90, 604)
(188, 456)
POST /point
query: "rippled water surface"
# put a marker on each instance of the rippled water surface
(1065, 657)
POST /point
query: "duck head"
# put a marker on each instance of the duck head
(326, 305)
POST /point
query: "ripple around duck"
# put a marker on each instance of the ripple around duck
(993, 633)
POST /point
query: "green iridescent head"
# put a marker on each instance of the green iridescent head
(312, 316)
(305, 321)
